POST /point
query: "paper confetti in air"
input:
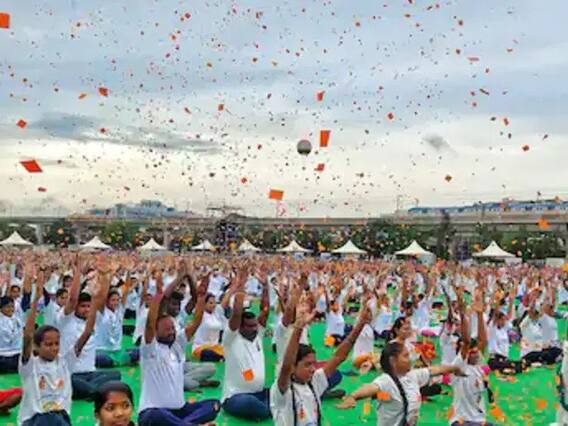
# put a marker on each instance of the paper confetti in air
(4, 20)
(276, 194)
(324, 138)
(31, 166)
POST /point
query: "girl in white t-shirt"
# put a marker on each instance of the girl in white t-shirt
(206, 342)
(46, 373)
(398, 389)
(295, 398)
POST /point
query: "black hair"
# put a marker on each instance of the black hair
(101, 394)
(41, 332)
(84, 297)
(177, 296)
(14, 286)
(396, 326)
(394, 349)
(113, 292)
(303, 351)
(209, 296)
(61, 292)
(248, 315)
(5, 300)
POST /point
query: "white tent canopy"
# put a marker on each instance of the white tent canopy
(246, 245)
(414, 249)
(293, 247)
(494, 251)
(95, 244)
(349, 248)
(15, 240)
(152, 245)
(204, 246)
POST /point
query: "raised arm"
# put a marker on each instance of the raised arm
(151, 320)
(304, 316)
(345, 346)
(237, 312)
(29, 328)
(74, 290)
(192, 327)
(265, 301)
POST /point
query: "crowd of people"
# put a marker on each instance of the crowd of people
(62, 322)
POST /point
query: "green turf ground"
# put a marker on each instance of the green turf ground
(519, 400)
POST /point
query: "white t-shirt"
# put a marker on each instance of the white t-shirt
(498, 339)
(306, 402)
(11, 335)
(208, 331)
(141, 317)
(334, 323)
(448, 344)
(469, 403)
(46, 385)
(282, 337)
(244, 363)
(391, 412)
(71, 329)
(549, 327)
(384, 320)
(52, 314)
(162, 374)
(109, 329)
(532, 340)
(216, 285)
(364, 343)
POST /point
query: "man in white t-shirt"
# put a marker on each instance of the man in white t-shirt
(244, 394)
(85, 379)
(162, 357)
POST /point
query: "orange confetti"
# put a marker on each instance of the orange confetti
(244, 180)
(276, 194)
(366, 408)
(320, 167)
(324, 138)
(383, 396)
(451, 412)
(497, 413)
(329, 340)
(4, 20)
(543, 224)
(448, 178)
(31, 166)
(103, 91)
(42, 189)
(526, 148)
(541, 404)
(82, 96)
(248, 375)
(390, 116)
(22, 124)
(320, 95)
(220, 107)
(506, 121)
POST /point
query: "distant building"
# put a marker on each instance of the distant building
(555, 205)
(144, 209)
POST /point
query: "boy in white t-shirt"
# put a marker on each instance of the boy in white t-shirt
(244, 394)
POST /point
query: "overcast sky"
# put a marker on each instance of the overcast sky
(439, 103)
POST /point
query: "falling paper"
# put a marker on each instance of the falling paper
(276, 194)
(31, 166)
(324, 138)
(4, 20)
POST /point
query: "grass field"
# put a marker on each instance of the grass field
(529, 399)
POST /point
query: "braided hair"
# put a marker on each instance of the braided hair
(391, 350)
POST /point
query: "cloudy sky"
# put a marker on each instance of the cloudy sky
(436, 103)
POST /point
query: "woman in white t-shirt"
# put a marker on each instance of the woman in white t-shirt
(398, 389)
(206, 342)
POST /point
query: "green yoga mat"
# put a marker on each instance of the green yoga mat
(530, 400)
